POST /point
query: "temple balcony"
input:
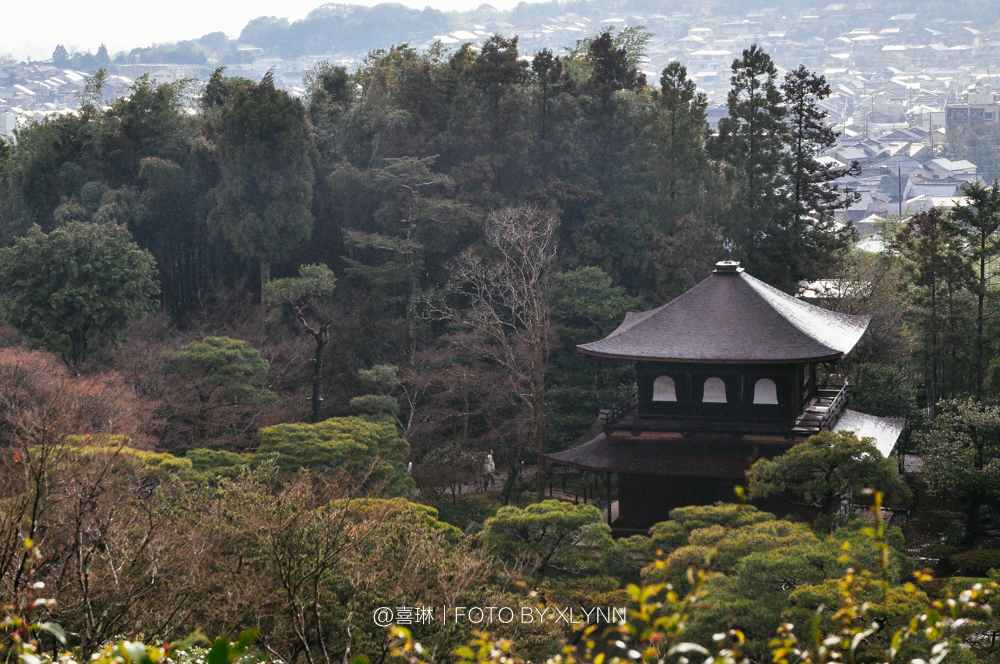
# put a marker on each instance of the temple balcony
(820, 413)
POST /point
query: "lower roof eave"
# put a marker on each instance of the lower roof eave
(885, 432)
(645, 457)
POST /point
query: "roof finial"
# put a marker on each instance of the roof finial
(728, 265)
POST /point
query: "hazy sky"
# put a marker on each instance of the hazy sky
(27, 29)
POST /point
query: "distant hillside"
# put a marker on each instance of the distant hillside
(354, 30)
(344, 28)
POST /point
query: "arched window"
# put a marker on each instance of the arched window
(765, 392)
(715, 391)
(664, 389)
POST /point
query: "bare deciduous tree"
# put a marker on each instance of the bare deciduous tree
(506, 314)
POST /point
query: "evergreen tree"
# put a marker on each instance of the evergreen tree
(77, 283)
(262, 204)
(979, 221)
(221, 89)
(612, 68)
(102, 59)
(550, 534)
(811, 182)
(681, 105)
(826, 470)
(678, 132)
(367, 456)
(751, 145)
(547, 70)
(60, 56)
(960, 449)
(221, 385)
(938, 274)
(415, 224)
(303, 295)
(497, 71)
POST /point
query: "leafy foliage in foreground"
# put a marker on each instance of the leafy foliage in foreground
(857, 616)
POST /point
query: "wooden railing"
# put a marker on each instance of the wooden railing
(837, 407)
(618, 412)
(823, 411)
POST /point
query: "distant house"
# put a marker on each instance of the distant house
(709, 59)
(924, 203)
(8, 123)
(162, 77)
(936, 189)
(982, 106)
(943, 169)
(848, 154)
(901, 136)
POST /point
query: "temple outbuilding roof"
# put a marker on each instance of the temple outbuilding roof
(733, 317)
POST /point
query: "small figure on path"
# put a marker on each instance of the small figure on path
(489, 467)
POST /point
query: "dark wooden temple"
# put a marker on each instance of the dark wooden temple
(726, 375)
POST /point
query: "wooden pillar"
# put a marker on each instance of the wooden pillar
(797, 404)
(607, 486)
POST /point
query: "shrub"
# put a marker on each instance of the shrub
(977, 562)
(709, 536)
(730, 515)
(667, 536)
(550, 534)
(218, 462)
(370, 455)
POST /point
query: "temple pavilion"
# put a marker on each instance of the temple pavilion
(726, 374)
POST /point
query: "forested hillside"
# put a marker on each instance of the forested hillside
(389, 177)
(230, 329)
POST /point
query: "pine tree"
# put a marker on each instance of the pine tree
(416, 222)
(303, 296)
(679, 131)
(102, 58)
(751, 147)
(262, 204)
(979, 222)
(811, 182)
(938, 271)
(60, 56)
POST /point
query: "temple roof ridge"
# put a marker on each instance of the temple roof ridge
(732, 316)
(833, 334)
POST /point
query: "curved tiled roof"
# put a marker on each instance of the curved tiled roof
(733, 317)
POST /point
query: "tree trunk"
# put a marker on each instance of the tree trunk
(934, 347)
(508, 486)
(541, 428)
(317, 377)
(972, 521)
(979, 320)
(265, 275)
(411, 318)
